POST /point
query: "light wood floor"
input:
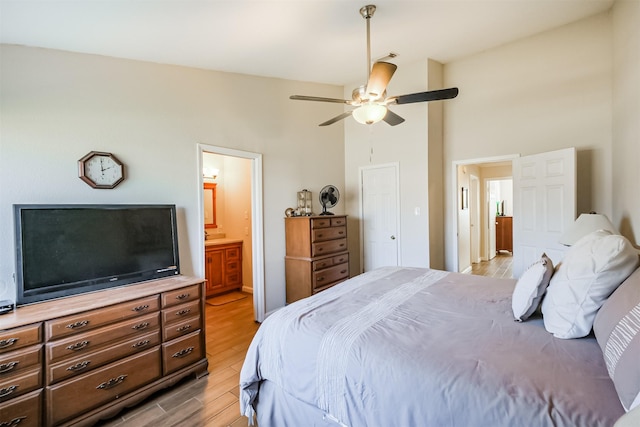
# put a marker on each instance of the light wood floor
(212, 400)
(500, 266)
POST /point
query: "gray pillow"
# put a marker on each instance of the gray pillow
(530, 288)
(617, 329)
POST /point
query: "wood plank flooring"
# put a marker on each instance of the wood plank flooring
(211, 401)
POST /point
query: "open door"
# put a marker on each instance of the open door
(544, 192)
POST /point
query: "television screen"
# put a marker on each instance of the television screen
(64, 250)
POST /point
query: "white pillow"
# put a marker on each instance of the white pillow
(591, 270)
(531, 287)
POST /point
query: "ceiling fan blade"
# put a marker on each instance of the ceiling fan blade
(392, 118)
(379, 78)
(320, 99)
(432, 95)
(336, 119)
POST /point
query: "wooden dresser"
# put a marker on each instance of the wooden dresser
(76, 360)
(223, 266)
(317, 256)
(504, 233)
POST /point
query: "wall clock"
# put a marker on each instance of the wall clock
(101, 170)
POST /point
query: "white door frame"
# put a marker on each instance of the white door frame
(454, 199)
(257, 220)
(396, 166)
(474, 217)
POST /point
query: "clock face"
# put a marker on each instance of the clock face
(101, 170)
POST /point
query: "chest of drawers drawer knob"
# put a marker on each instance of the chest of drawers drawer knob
(112, 382)
(76, 325)
(184, 352)
(13, 423)
(7, 391)
(78, 346)
(79, 366)
(8, 367)
(8, 342)
(182, 296)
(140, 326)
(183, 328)
(141, 308)
(183, 312)
(141, 344)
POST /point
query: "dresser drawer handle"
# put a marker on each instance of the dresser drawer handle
(343, 271)
(183, 328)
(14, 422)
(140, 307)
(320, 235)
(112, 383)
(4, 392)
(340, 232)
(79, 366)
(140, 326)
(320, 279)
(78, 346)
(341, 244)
(80, 324)
(183, 296)
(184, 352)
(8, 367)
(8, 342)
(141, 344)
(183, 312)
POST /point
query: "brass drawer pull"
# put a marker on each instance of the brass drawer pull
(141, 344)
(79, 366)
(341, 244)
(140, 307)
(320, 235)
(8, 342)
(183, 328)
(183, 312)
(7, 367)
(14, 422)
(4, 392)
(79, 324)
(184, 352)
(140, 326)
(320, 279)
(182, 296)
(78, 346)
(343, 271)
(112, 383)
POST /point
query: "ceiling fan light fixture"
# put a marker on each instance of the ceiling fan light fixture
(369, 114)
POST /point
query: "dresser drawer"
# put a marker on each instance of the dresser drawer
(320, 222)
(13, 339)
(329, 275)
(233, 253)
(181, 312)
(177, 329)
(330, 233)
(331, 246)
(85, 363)
(13, 362)
(20, 383)
(182, 352)
(322, 263)
(340, 259)
(80, 394)
(88, 320)
(336, 222)
(180, 296)
(88, 341)
(24, 411)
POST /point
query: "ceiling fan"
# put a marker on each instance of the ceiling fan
(371, 99)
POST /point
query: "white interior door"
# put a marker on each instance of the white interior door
(544, 191)
(474, 217)
(380, 213)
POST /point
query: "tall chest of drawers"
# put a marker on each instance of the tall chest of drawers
(317, 256)
(86, 357)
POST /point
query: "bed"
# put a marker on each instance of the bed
(421, 347)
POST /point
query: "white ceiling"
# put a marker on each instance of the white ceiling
(309, 40)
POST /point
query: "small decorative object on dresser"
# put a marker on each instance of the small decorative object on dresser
(101, 170)
(317, 256)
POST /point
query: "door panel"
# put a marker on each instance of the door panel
(544, 189)
(380, 216)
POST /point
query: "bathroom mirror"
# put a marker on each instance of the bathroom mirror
(210, 205)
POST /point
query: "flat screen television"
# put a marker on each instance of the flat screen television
(64, 250)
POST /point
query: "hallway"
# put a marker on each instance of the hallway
(500, 266)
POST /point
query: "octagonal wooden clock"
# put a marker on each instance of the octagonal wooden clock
(101, 170)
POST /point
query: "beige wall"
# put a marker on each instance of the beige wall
(543, 93)
(57, 106)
